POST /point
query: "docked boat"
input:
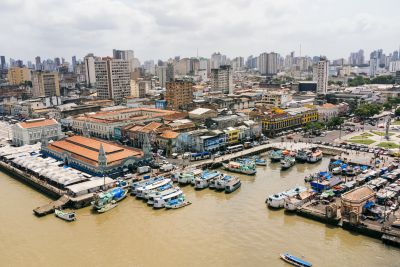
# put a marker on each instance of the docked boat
(160, 194)
(314, 155)
(144, 182)
(337, 170)
(294, 202)
(107, 207)
(161, 201)
(177, 203)
(294, 260)
(113, 195)
(221, 182)
(156, 190)
(278, 200)
(287, 162)
(240, 167)
(260, 162)
(140, 191)
(302, 155)
(276, 155)
(205, 179)
(67, 216)
(232, 185)
(187, 176)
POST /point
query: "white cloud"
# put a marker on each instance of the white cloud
(165, 28)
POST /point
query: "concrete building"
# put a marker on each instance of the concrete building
(170, 75)
(45, 84)
(17, 76)
(31, 131)
(222, 79)
(277, 99)
(202, 114)
(320, 75)
(268, 63)
(90, 75)
(397, 78)
(352, 203)
(327, 111)
(112, 79)
(162, 75)
(179, 94)
(127, 55)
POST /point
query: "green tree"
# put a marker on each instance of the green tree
(384, 79)
(368, 110)
(313, 126)
(333, 122)
(397, 112)
(358, 80)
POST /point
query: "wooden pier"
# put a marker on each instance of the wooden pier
(50, 207)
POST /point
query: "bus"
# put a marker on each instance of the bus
(200, 156)
(231, 149)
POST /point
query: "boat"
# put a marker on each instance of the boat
(337, 170)
(221, 182)
(287, 162)
(159, 202)
(302, 155)
(188, 176)
(294, 260)
(261, 162)
(349, 171)
(155, 195)
(314, 155)
(67, 216)
(294, 202)
(140, 191)
(177, 203)
(205, 179)
(232, 185)
(113, 195)
(278, 200)
(276, 155)
(148, 193)
(107, 207)
(144, 182)
(240, 167)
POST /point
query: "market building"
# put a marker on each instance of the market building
(30, 132)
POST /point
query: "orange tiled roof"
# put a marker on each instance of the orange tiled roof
(169, 134)
(37, 123)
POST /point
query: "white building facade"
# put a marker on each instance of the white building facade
(31, 131)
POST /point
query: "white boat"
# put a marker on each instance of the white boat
(140, 191)
(162, 185)
(294, 202)
(278, 200)
(232, 185)
(107, 207)
(337, 170)
(161, 201)
(287, 162)
(188, 176)
(145, 182)
(221, 182)
(314, 156)
(155, 195)
(204, 180)
(68, 216)
(177, 203)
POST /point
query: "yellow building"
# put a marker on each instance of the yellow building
(288, 119)
(232, 135)
(17, 76)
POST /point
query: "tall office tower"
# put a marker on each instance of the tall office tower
(162, 75)
(373, 66)
(90, 75)
(30, 65)
(57, 61)
(216, 60)
(19, 63)
(17, 76)
(179, 94)
(2, 62)
(170, 75)
(73, 63)
(149, 66)
(320, 74)
(222, 79)
(38, 63)
(238, 64)
(125, 55)
(45, 84)
(182, 67)
(112, 79)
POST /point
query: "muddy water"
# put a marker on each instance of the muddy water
(216, 230)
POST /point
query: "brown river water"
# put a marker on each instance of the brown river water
(216, 230)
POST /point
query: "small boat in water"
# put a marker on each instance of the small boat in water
(206, 178)
(260, 162)
(177, 203)
(314, 155)
(302, 155)
(278, 200)
(241, 167)
(111, 196)
(294, 260)
(276, 155)
(221, 182)
(287, 162)
(107, 207)
(159, 202)
(67, 216)
(232, 185)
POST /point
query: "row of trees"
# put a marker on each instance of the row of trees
(360, 80)
(317, 126)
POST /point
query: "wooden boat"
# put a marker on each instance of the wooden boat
(294, 260)
(107, 207)
(232, 185)
(67, 216)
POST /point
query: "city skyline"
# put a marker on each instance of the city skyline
(163, 29)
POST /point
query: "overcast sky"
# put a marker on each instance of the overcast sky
(166, 28)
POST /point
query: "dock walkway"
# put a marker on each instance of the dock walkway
(50, 207)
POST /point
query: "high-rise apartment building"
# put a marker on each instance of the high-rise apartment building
(268, 63)
(17, 76)
(90, 74)
(320, 74)
(38, 63)
(73, 63)
(112, 79)
(125, 55)
(45, 84)
(179, 94)
(170, 75)
(2, 62)
(162, 75)
(222, 79)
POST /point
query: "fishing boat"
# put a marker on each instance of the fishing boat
(294, 202)
(140, 191)
(113, 195)
(278, 200)
(67, 216)
(287, 162)
(232, 185)
(294, 260)
(205, 179)
(314, 155)
(302, 155)
(177, 203)
(107, 207)
(222, 181)
(161, 201)
(161, 194)
(187, 176)
(276, 155)
(245, 168)
(260, 162)
(158, 189)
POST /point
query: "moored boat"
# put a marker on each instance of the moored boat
(160, 202)
(337, 170)
(276, 155)
(287, 162)
(301, 155)
(240, 167)
(107, 207)
(187, 176)
(294, 202)
(294, 260)
(232, 185)
(314, 155)
(144, 182)
(67, 216)
(261, 162)
(113, 195)
(278, 200)
(221, 182)
(140, 191)
(177, 203)
(153, 196)
(205, 179)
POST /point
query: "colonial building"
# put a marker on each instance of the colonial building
(354, 201)
(31, 131)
